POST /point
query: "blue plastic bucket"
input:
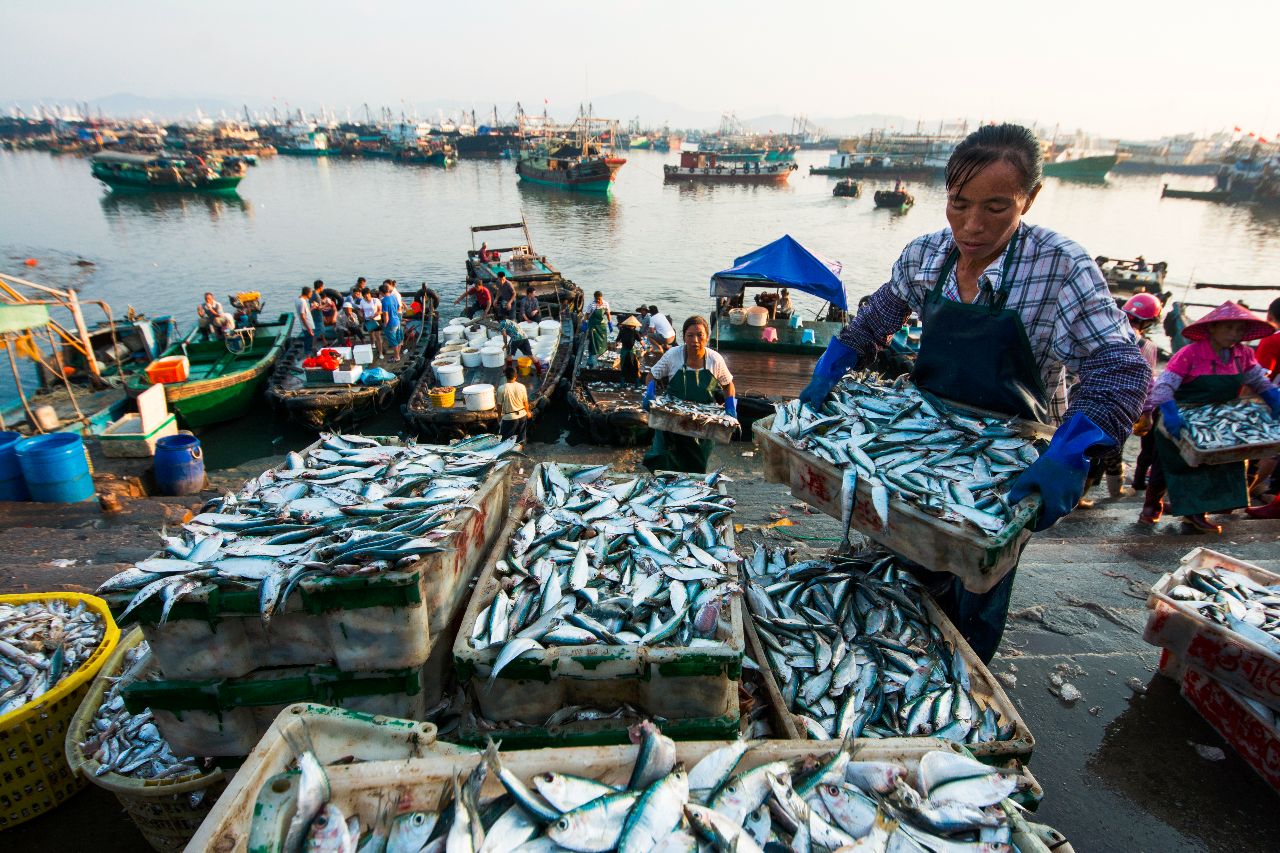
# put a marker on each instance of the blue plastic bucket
(179, 465)
(55, 467)
(12, 486)
(806, 337)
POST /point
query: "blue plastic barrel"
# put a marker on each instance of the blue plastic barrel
(179, 465)
(55, 467)
(12, 486)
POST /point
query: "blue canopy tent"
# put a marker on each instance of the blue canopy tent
(786, 263)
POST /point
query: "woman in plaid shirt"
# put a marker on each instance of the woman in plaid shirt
(1008, 310)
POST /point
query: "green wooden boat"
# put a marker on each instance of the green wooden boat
(221, 384)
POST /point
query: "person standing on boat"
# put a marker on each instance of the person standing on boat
(1213, 368)
(505, 303)
(317, 290)
(515, 341)
(483, 299)
(597, 326)
(306, 322)
(661, 332)
(206, 312)
(392, 328)
(1008, 309)
(328, 316)
(690, 372)
(527, 309)
(629, 341)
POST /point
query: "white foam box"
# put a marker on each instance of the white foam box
(125, 438)
(346, 377)
(362, 354)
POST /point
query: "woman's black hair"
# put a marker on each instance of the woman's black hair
(696, 320)
(991, 143)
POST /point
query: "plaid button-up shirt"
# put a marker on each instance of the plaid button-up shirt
(1072, 321)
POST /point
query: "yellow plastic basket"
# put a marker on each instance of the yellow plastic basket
(442, 397)
(34, 774)
(161, 808)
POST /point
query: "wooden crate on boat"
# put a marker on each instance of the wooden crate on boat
(978, 559)
(1196, 456)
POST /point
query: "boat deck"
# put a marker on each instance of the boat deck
(731, 338)
(772, 375)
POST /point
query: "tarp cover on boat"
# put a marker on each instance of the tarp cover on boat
(783, 262)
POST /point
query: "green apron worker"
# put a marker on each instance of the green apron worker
(1007, 310)
(1212, 368)
(690, 372)
(597, 326)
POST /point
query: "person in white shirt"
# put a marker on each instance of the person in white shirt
(660, 330)
(306, 323)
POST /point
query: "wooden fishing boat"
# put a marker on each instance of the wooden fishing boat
(1124, 276)
(523, 267)
(1196, 195)
(606, 406)
(894, 199)
(575, 161)
(222, 384)
(846, 188)
(333, 406)
(437, 422)
(1087, 168)
(168, 172)
(706, 167)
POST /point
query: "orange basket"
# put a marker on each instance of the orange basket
(173, 368)
(34, 774)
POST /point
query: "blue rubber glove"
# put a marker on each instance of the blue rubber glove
(731, 406)
(835, 362)
(1059, 474)
(1172, 418)
(611, 327)
(1271, 397)
(582, 330)
(650, 394)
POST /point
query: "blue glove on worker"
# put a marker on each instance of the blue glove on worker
(1271, 397)
(1172, 418)
(611, 327)
(650, 394)
(582, 330)
(835, 362)
(1059, 474)
(731, 406)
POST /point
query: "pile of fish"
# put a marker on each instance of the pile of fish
(698, 414)
(351, 506)
(622, 395)
(130, 744)
(1240, 603)
(855, 654)
(730, 800)
(642, 561)
(41, 643)
(1230, 425)
(911, 448)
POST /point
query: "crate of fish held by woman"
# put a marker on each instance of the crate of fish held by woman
(657, 794)
(1221, 615)
(921, 477)
(699, 420)
(354, 552)
(855, 648)
(1227, 432)
(608, 591)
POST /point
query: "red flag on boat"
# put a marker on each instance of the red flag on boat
(1237, 130)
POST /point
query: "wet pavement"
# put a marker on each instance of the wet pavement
(1120, 767)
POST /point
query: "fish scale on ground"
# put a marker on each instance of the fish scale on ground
(911, 448)
(351, 506)
(855, 654)
(947, 802)
(42, 643)
(638, 562)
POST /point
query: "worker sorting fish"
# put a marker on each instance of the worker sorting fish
(737, 796)
(350, 506)
(42, 643)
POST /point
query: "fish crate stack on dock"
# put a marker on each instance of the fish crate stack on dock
(1226, 432)
(334, 577)
(611, 598)
(922, 477)
(1218, 621)
(635, 797)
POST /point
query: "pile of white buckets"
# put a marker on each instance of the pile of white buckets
(464, 344)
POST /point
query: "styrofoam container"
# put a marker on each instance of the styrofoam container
(549, 326)
(479, 398)
(493, 357)
(757, 316)
(347, 377)
(344, 353)
(471, 357)
(362, 354)
(450, 374)
(125, 438)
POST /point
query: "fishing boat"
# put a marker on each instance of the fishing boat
(772, 358)
(576, 160)
(846, 188)
(1081, 167)
(707, 168)
(1196, 195)
(523, 266)
(896, 199)
(847, 165)
(305, 141)
(605, 405)
(433, 151)
(224, 376)
(168, 172)
(332, 405)
(1132, 276)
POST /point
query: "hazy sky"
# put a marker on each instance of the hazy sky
(1137, 69)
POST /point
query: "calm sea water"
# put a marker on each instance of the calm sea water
(297, 220)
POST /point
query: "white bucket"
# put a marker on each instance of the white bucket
(470, 357)
(528, 329)
(479, 397)
(737, 316)
(456, 346)
(448, 358)
(449, 375)
(492, 357)
(458, 322)
(757, 316)
(451, 334)
(549, 326)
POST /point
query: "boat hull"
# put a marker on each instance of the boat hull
(766, 175)
(538, 177)
(130, 184)
(308, 152)
(1085, 168)
(902, 171)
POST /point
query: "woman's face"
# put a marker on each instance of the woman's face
(985, 212)
(695, 338)
(1226, 335)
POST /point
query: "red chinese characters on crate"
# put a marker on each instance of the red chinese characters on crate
(1257, 744)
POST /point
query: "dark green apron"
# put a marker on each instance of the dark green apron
(671, 452)
(1207, 488)
(597, 332)
(978, 355)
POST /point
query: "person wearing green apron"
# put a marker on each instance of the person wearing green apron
(597, 326)
(1007, 309)
(695, 373)
(1214, 367)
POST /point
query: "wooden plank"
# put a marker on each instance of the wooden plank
(774, 376)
